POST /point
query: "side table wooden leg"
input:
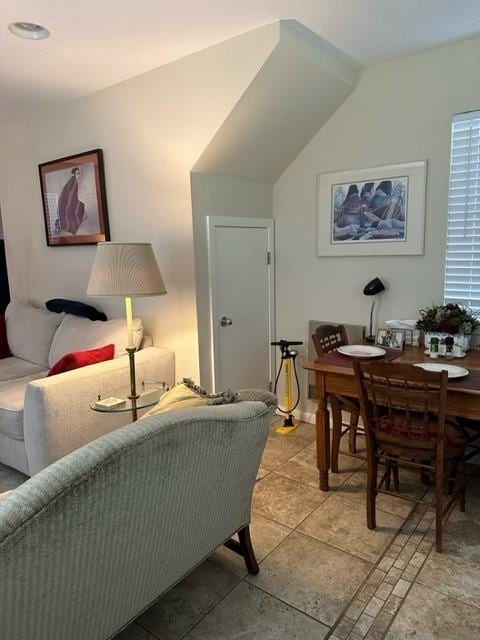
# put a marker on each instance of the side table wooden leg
(322, 432)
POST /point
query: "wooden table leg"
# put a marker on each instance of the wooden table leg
(323, 432)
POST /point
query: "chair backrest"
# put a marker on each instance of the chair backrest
(402, 405)
(355, 334)
(328, 337)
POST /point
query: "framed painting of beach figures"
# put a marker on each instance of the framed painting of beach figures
(372, 212)
(74, 200)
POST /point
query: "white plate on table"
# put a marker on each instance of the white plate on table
(452, 369)
(361, 351)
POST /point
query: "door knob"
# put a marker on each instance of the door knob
(225, 322)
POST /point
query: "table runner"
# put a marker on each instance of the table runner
(472, 381)
(339, 360)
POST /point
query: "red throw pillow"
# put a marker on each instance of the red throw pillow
(78, 359)
(4, 350)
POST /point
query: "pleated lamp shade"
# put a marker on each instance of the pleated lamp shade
(125, 269)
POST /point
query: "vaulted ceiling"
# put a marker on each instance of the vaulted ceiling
(301, 84)
(96, 43)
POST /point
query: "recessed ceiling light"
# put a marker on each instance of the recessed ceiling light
(28, 30)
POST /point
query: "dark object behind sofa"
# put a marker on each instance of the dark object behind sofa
(4, 288)
(59, 305)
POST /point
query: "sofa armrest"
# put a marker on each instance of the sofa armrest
(57, 414)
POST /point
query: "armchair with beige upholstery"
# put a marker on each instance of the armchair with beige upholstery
(92, 540)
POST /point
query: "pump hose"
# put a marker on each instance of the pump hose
(288, 411)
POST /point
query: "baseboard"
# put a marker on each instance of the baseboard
(304, 416)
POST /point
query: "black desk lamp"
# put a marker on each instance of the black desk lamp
(372, 288)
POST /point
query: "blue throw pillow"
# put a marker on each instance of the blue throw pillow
(59, 305)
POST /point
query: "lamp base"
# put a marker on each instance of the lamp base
(370, 339)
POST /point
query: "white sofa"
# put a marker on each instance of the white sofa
(44, 418)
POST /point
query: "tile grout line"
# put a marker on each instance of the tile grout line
(308, 535)
(425, 510)
(274, 549)
(254, 586)
(281, 524)
(412, 526)
(294, 530)
(376, 566)
(333, 546)
(330, 544)
(417, 517)
(287, 604)
(214, 606)
(332, 492)
(287, 459)
(446, 595)
(244, 579)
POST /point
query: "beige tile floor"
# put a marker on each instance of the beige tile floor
(323, 574)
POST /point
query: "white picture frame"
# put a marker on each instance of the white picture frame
(378, 211)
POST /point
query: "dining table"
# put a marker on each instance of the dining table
(334, 376)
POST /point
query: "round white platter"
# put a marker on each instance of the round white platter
(452, 369)
(361, 351)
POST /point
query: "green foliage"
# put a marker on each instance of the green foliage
(448, 318)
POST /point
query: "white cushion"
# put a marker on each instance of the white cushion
(79, 334)
(12, 368)
(12, 401)
(30, 331)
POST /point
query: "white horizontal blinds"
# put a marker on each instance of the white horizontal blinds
(462, 274)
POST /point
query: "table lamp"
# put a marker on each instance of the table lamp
(373, 288)
(126, 269)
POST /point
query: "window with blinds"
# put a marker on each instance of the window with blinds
(462, 272)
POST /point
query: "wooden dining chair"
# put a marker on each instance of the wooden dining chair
(403, 409)
(326, 339)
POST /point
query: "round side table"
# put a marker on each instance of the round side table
(119, 400)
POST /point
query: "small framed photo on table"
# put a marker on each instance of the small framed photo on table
(390, 339)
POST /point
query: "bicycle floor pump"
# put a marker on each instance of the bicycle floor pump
(288, 357)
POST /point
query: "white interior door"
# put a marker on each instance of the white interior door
(241, 303)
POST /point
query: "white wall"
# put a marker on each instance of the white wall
(152, 130)
(400, 111)
(299, 87)
(219, 196)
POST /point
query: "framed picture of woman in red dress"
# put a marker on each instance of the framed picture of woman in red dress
(74, 199)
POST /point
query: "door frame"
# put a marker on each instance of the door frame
(256, 223)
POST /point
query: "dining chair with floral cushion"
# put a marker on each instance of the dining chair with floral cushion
(328, 338)
(403, 410)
